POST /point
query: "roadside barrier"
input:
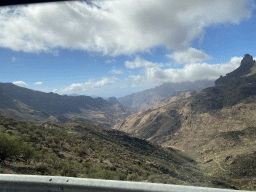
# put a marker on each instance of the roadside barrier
(36, 183)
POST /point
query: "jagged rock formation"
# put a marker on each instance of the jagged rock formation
(244, 69)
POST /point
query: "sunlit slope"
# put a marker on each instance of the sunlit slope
(210, 108)
(216, 126)
(224, 107)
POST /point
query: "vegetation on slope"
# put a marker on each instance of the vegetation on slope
(84, 150)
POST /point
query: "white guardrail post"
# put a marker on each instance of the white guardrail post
(36, 183)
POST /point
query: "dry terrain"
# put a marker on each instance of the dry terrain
(216, 127)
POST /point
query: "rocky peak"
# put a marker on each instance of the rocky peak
(247, 59)
(244, 69)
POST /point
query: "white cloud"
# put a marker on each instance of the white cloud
(20, 83)
(190, 72)
(14, 59)
(188, 56)
(38, 83)
(76, 87)
(116, 71)
(116, 27)
(139, 62)
(125, 86)
(111, 61)
(135, 81)
(55, 90)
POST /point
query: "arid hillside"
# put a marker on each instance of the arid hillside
(85, 150)
(216, 126)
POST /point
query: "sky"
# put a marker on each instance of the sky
(116, 48)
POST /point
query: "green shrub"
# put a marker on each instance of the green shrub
(77, 154)
(122, 175)
(26, 137)
(59, 164)
(69, 171)
(57, 140)
(6, 124)
(49, 139)
(104, 174)
(38, 131)
(31, 126)
(61, 143)
(75, 149)
(10, 145)
(42, 168)
(87, 165)
(28, 152)
(10, 132)
(132, 177)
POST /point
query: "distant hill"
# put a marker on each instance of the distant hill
(216, 125)
(138, 101)
(24, 104)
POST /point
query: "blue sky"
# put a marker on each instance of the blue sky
(121, 47)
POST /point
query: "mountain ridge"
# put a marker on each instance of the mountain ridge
(23, 103)
(140, 100)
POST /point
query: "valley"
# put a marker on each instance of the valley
(189, 137)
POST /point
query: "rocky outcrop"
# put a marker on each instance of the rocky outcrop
(244, 69)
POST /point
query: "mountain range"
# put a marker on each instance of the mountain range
(29, 105)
